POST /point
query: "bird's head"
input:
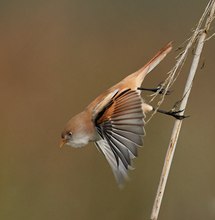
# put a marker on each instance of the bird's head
(77, 131)
(66, 138)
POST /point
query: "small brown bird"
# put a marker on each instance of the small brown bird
(114, 121)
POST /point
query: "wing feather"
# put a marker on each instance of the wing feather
(120, 125)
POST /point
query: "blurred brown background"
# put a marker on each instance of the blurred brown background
(55, 57)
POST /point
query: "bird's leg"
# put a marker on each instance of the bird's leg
(174, 113)
(158, 89)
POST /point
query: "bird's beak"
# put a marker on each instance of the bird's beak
(62, 142)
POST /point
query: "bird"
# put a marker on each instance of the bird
(114, 121)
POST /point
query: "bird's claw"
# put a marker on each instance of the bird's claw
(163, 91)
(177, 115)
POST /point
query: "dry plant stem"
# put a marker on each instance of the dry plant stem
(181, 58)
(178, 123)
(175, 134)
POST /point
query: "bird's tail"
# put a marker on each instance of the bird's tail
(138, 76)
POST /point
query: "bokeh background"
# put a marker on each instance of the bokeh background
(57, 56)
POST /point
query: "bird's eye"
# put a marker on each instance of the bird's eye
(70, 134)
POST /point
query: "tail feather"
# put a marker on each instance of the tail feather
(139, 75)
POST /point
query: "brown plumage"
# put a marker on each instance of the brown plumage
(114, 121)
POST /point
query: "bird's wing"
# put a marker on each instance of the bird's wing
(120, 124)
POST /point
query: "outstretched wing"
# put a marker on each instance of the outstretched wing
(120, 124)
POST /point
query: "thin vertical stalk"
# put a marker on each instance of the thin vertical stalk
(201, 37)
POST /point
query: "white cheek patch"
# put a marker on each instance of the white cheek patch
(79, 141)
